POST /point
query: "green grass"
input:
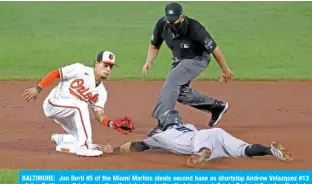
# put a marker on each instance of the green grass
(260, 40)
(8, 176)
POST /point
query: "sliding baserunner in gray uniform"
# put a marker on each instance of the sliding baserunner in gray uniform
(203, 145)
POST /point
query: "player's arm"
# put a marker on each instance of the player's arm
(203, 37)
(123, 125)
(153, 49)
(156, 41)
(102, 118)
(206, 40)
(218, 55)
(64, 73)
(128, 147)
(32, 93)
(152, 53)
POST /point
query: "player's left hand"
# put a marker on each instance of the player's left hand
(124, 125)
(30, 93)
(107, 148)
(226, 75)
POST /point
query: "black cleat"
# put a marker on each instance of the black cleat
(155, 130)
(217, 112)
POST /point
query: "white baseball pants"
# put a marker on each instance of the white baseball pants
(73, 116)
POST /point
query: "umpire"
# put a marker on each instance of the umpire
(191, 46)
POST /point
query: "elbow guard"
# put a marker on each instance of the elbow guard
(138, 147)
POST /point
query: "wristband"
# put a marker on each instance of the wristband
(105, 121)
(39, 89)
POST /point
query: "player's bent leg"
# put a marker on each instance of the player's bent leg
(69, 126)
(221, 143)
(195, 67)
(168, 96)
(184, 72)
(83, 124)
(193, 98)
(84, 130)
(58, 108)
(233, 146)
(77, 113)
(59, 111)
(181, 74)
(71, 138)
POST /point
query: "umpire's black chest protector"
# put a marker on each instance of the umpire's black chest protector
(182, 45)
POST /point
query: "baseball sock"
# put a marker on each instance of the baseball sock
(257, 150)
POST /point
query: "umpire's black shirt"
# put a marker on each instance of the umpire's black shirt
(190, 41)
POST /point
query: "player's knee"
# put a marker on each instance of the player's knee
(46, 109)
(172, 85)
(47, 113)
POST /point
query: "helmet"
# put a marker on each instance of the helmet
(169, 118)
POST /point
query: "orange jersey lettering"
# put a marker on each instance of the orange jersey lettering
(78, 89)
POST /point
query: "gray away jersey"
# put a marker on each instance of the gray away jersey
(178, 139)
(188, 140)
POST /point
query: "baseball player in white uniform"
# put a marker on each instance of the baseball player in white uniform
(68, 103)
(203, 145)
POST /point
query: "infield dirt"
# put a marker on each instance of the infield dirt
(259, 112)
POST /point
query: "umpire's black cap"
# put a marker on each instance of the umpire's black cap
(173, 11)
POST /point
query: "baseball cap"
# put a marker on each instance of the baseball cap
(173, 11)
(106, 57)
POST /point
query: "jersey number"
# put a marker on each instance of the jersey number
(183, 129)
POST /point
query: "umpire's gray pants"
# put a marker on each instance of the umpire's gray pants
(177, 87)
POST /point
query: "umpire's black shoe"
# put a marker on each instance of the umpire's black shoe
(217, 111)
(155, 130)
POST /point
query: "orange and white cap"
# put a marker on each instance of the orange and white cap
(106, 57)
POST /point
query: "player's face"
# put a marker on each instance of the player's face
(103, 70)
(176, 25)
(175, 21)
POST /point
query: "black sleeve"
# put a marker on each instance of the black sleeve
(156, 38)
(204, 38)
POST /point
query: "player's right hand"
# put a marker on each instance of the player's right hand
(30, 93)
(226, 75)
(147, 66)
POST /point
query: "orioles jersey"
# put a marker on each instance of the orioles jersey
(77, 81)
